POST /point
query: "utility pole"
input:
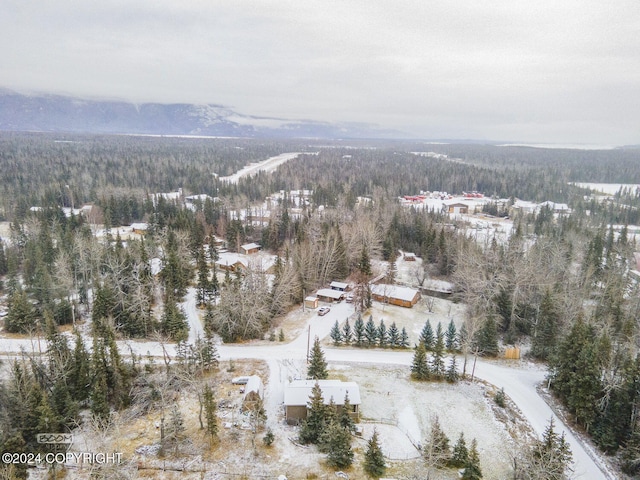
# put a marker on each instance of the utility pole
(308, 340)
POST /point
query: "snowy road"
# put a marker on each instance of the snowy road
(287, 361)
(265, 166)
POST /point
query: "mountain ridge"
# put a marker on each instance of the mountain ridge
(61, 113)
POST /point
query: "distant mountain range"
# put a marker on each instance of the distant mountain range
(55, 113)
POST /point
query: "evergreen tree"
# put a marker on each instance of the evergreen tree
(420, 366)
(452, 374)
(382, 334)
(174, 432)
(339, 452)
(460, 455)
(393, 336)
(174, 322)
(20, 317)
(437, 360)
(317, 364)
(364, 263)
(404, 338)
(371, 332)
(209, 405)
(472, 469)
(79, 378)
(487, 338)
(203, 289)
(313, 426)
(359, 332)
(546, 330)
(575, 374)
(336, 334)
(347, 334)
(344, 419)
(374, 462)
(451, 337)
(426, 336)
(4, 266)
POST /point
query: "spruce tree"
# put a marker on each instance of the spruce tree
(174, 322)
(174, 432)
(452, 374)
(344, 418)
(451, 337)
(336, 334)
(487, 338)
(472, 469)
(437, 360)
(371, 332)
(347, 334)
(358, 331)
(426, 336)
(546, 330)
(374, 462)
(339, 452)
(364, 263)
(314, 424)
(393, 336)
(209, 405)
(460, 455)
(420, 366)
(404, 338)
(317, 364)
(382, 334)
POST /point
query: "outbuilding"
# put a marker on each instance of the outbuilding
(340, 286)
(249, 248)
(253, 392)
(311, 302)
(329, 295)
(298, 392)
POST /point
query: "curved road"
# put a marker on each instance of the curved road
(284, 360)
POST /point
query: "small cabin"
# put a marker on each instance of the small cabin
(311, 302)
(298, 392)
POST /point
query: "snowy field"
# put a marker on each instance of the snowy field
(608, 188)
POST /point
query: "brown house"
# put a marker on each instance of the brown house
(395, 295)
(249, 248)
(297, 393)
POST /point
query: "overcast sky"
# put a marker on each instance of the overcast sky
(553, 71)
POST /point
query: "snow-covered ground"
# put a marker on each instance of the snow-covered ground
(287, 361)
(267, 165)
(608, 188)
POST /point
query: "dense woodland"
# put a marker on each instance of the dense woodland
(561, 284)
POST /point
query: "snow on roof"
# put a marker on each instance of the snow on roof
(228, 259)
(311, 298)
(328, 292)
(394, 291)
(299, 391)
(254, 384)
(250, 246)
(140, 226)
(341, 285)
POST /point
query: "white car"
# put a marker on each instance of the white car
(323, 311)
(240, 380)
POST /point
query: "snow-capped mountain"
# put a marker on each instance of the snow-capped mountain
(55, 113)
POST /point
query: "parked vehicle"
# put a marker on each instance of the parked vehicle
(323, 311)
(349, 298)
(240, 380)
